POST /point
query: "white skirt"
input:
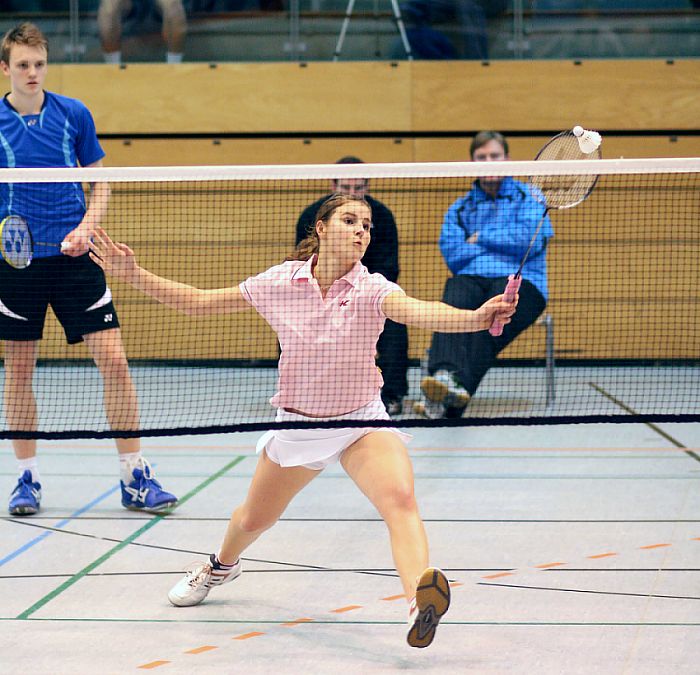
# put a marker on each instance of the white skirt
(317, 448)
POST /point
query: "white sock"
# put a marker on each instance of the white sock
(127, 463)
(113, 57)
(173, 57)
(31, 463)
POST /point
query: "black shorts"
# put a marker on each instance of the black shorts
(75, 288)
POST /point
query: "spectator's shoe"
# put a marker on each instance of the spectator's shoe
(394, 407)
(429, 409)
(428, 607)
(200, 579)
(145, 493)
(443, 387)
(25, 499)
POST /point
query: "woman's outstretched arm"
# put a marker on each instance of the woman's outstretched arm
(119, 261)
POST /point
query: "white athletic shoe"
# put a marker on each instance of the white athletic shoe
(443, 387)
(429, 409)
(199, 580)
(427, 608)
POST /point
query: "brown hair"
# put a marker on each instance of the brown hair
(310, 244)
(24, 34)
(483, 137)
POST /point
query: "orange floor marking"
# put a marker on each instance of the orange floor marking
(199, 650)
(296, 622)
(654, 546)
(497, 576)
(601, 555)
(548, 565)
(247, 636)
(349, 608)
(394, 597)
(153, 664)
(696, 539)
(456, 583)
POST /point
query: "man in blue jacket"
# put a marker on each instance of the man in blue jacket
(484, 237)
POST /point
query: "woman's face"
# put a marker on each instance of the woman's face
(347, 233)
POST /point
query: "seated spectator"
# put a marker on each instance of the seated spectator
(112, 13)
(484, 237)
(469, 17)
(382, 257)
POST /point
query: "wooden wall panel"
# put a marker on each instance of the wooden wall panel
(534, 95)
(243, 97)
(379, 96)
(203, 152)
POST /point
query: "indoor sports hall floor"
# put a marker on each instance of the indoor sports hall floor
(572, 549)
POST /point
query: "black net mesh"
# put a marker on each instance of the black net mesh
(617, 339)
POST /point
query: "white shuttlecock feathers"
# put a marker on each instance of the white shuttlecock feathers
(589, 141)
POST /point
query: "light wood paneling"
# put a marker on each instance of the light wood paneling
(533, 95)
(203, 152)
(245, 98)
(379, 96)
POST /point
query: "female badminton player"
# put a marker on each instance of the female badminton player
(328, 313)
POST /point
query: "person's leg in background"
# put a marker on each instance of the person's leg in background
(109, 23)
(174, 28)
(458, 362)
(392, 360)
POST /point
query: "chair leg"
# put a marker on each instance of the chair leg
(550, 395)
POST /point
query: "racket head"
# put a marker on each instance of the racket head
(563, 192)
(16, 246)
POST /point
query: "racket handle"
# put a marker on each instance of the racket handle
(512, 288)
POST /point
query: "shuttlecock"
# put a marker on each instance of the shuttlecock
(588, 141)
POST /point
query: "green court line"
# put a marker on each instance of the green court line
(157, 519)
(340, 622)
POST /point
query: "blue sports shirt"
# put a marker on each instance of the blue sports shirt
(61, 135)
(505, 225)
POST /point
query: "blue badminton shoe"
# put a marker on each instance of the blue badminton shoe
(145, 493)
(25, 499)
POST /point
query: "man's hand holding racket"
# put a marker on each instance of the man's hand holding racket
(115, 258)
(76, 242)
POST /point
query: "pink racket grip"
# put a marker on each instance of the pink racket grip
(512, 288)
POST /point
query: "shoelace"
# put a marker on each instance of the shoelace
(198, 573)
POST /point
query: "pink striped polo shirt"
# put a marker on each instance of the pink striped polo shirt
(328, 345)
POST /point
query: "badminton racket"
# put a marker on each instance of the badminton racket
(18, 244)
(557, 192)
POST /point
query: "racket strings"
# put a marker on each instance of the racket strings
(563, 192)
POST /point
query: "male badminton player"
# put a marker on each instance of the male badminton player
(43, 129)
(328, 312)
(484, 235)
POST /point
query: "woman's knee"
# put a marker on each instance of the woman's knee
(398, 498)
(251, 521)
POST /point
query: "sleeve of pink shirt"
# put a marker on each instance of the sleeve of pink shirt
(258, 289)
(379, 288)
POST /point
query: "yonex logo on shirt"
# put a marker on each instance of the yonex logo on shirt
(108, 318)
(342, 303)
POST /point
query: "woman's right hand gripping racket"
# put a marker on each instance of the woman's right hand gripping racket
(557, 192)
(18, 244)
